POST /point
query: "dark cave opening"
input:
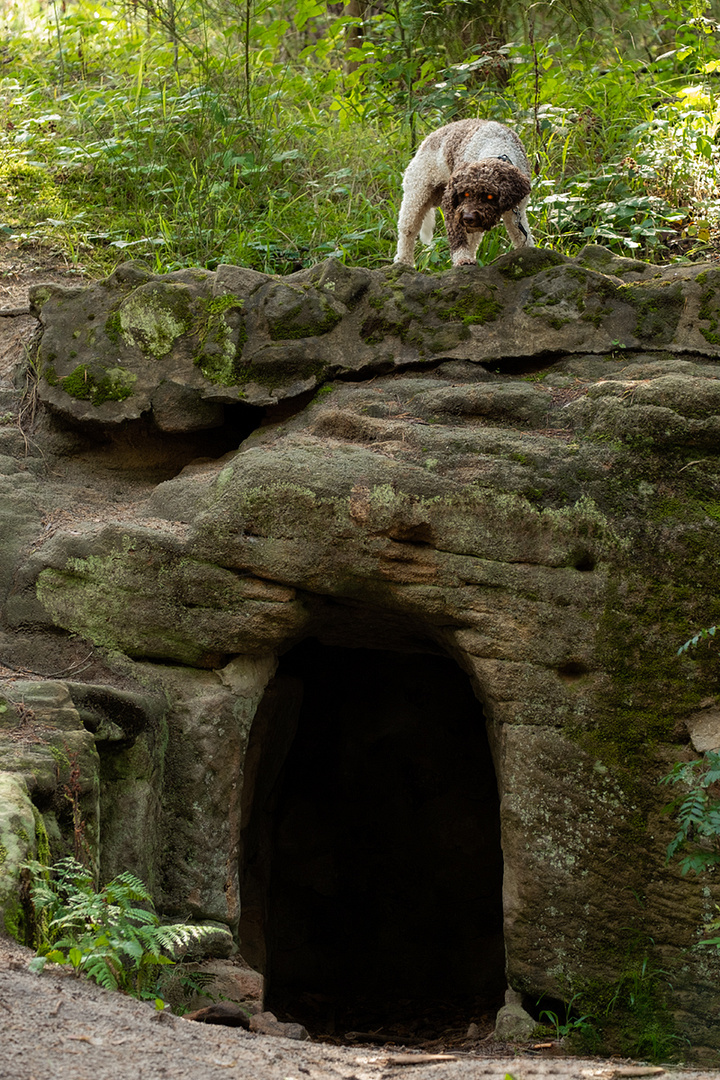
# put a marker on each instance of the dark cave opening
(375, 856)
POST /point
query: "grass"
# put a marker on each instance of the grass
(266, 150)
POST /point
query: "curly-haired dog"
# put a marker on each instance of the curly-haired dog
(478, 172)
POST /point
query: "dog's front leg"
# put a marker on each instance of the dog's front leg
(467, 254)
(518, 227)
(463, 243)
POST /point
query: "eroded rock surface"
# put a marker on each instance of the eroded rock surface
(513, 467)
(181, 345)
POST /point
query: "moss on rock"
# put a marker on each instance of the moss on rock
(17, 844)
(96, 385)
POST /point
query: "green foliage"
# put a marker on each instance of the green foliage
(697, 808)
(568, 1024)
(637, 1010)
(273, 136)
(701, 635)
(628, 1015)
(112, 935)
(697, 812)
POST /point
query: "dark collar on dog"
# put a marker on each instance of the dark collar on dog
(504, 157)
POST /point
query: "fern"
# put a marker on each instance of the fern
(697, 812)
(105, 935)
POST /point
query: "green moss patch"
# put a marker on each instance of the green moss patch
(470, 307)
(710, 305)
(658, 307)
(527, 262)
(96, 385)
(294, 311)
(220, 329)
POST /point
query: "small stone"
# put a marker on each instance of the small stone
(513, 1023)
(473, 1032)
(267, 1023)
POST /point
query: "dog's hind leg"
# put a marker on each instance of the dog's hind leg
(518, 227)
(416, 218)
(423, 185)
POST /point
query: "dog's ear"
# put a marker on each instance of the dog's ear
(458, 187)
(513, 188)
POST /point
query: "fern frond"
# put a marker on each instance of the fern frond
(701, 635)
(97, 968)
(175, 936)
(107, 934)
(126, 887)
(693, 808)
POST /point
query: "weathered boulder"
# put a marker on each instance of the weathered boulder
(510, 470)
(267, 1023)
(180, 346)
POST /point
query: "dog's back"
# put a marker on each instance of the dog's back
(471, 140)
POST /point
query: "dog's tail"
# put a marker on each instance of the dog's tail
(428, 226)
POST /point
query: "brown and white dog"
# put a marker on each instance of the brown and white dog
(478, 172)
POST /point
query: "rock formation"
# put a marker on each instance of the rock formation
(345, 607)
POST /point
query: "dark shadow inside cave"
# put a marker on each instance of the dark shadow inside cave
(372, 868)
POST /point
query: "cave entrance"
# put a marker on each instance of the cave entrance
(375, 857)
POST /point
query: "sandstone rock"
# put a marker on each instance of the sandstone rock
(180, 346)
(464, 466)
(704, 729)
(229, 981)
(226, 1013)
(17, 844)
(266, 1023)
(513, 1023)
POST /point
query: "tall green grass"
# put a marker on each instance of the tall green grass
(246, 136)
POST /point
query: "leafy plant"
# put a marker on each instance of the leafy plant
(637, 1004)
(113, 935)
(701, 635)
(697, 811)
(570, 1024)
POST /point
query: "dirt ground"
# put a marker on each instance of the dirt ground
(56, 1027)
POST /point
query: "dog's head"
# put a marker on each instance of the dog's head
(479, 193)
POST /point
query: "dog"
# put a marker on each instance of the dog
(477, 171)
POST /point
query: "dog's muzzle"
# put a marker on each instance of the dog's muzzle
(475, 219)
